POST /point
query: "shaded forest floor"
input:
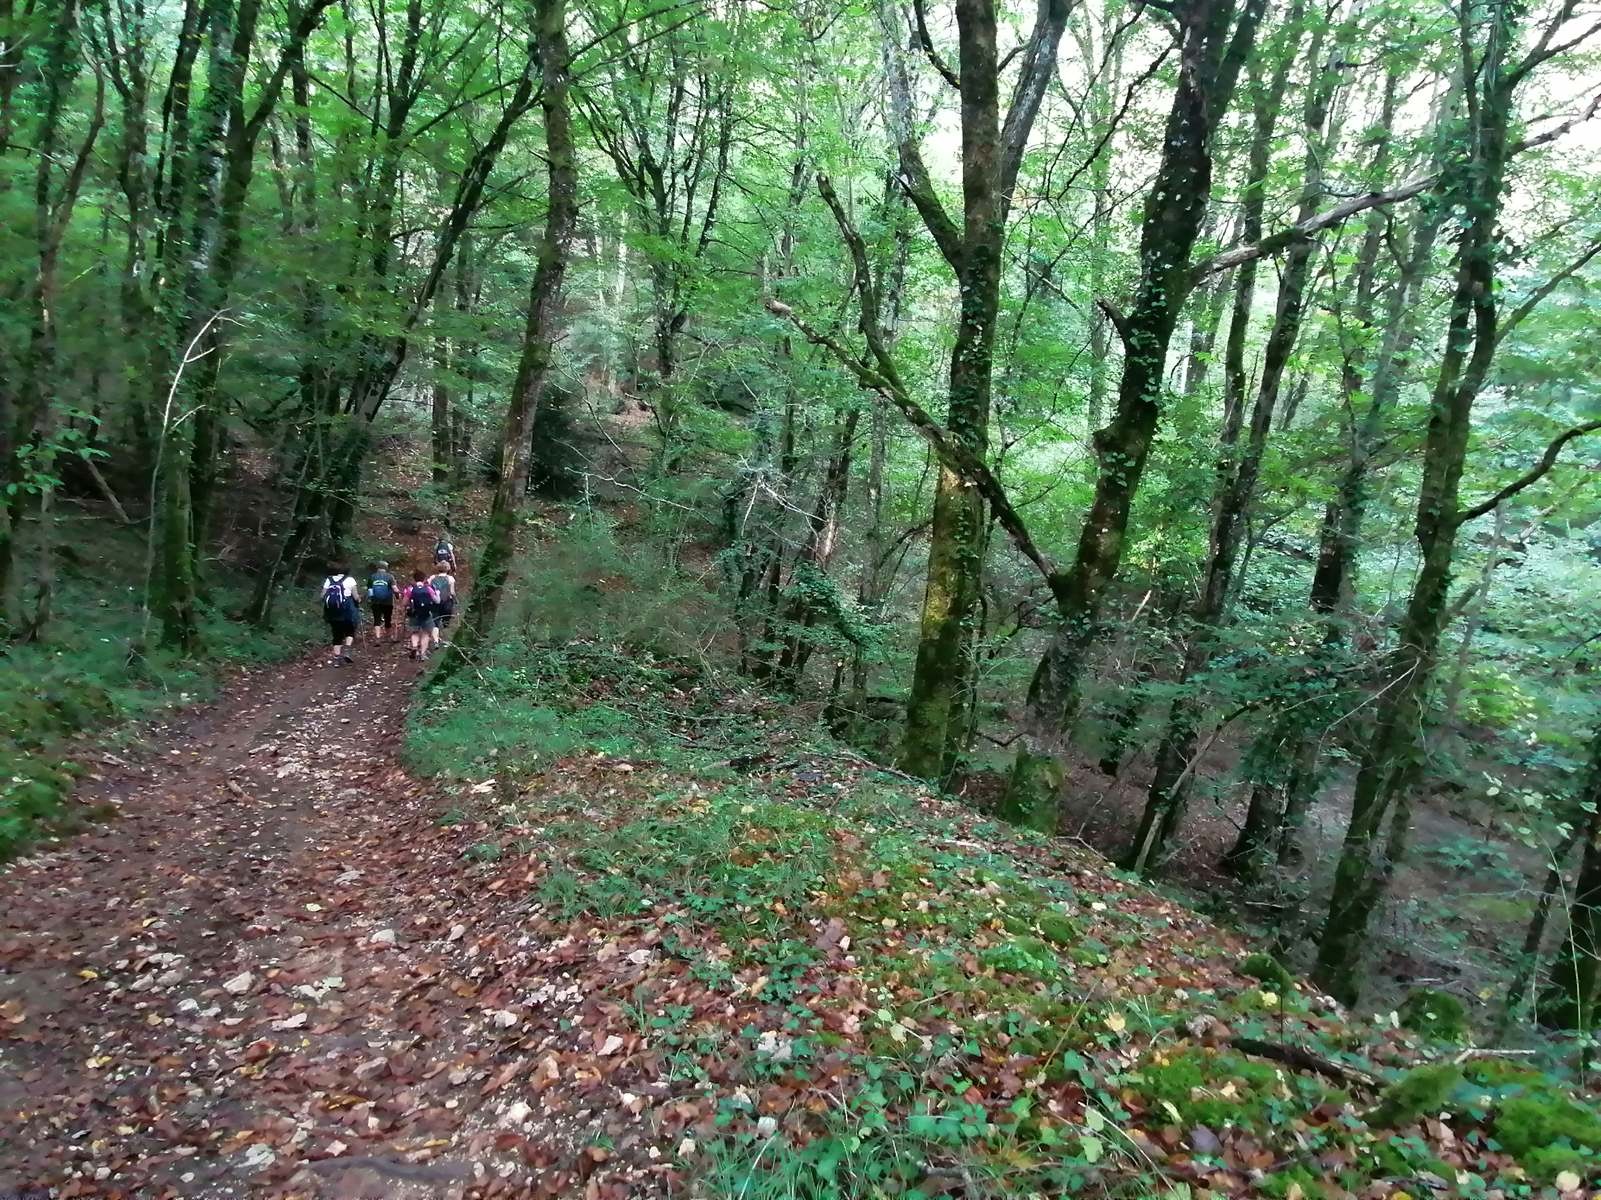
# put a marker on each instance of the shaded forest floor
(595, 922)
(592, 925)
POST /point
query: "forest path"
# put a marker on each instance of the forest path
(258, 979)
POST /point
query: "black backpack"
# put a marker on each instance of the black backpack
(419, 600)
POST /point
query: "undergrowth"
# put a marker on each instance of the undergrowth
(934, 1003)
(85, 680)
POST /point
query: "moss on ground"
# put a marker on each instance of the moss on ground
(992, 1011)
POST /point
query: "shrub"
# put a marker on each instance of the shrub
(1435, 1014)
(1267, 969)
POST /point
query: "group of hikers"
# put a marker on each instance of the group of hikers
(427, 605)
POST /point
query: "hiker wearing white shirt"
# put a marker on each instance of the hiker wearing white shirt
(341, 609)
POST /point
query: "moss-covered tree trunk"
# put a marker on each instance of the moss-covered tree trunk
(1214, 49)
(991, 156)
(1392, 758)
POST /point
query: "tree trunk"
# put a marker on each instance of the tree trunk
(1215, 47)
(1528, 961)
(1279, 804)
(1391, 760)
(1237, 473)
(991, 155)
(32, 424)
(539, 334)
(441, 406)
(1572, 998)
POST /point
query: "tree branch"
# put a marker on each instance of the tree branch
(1346, 209)
(914, 178)
(1312, 226)
(927, 43)
(1545, 289)
(958, 459)
(1532, 475)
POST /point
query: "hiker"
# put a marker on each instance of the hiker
(381, 596)
(341, 608)
(445, 552)
(421, 601)
(444, 585)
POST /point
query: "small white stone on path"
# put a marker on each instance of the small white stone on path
(239, 984)
(384, 937)
(259, 1156)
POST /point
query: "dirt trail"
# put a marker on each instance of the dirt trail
(270, 974)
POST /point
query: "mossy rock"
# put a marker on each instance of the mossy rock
(1211, 1088)
(1059, 929)
(1435, 1014)
(1418, 1093)
(1022, 956)
(1549, 1132)
(1267, 969)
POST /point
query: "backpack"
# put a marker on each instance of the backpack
(441, 585)
(443, 549)
(420, 600)
(381, 588)
(335, 603)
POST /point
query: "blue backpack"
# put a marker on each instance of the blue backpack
(381, 588)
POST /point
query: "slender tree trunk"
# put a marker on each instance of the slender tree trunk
(1212, 59)
(1528, 961)
(441, 405)
(1237, 472)
(55, 195)
(1391, 760)
(1280, 798)
(1215, 47)
(539, 334)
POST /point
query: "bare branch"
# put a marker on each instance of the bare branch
(927, 43)
(1314, 225)
(1532, 475)
(1347, 209)
(1545, 289)
(955, 457)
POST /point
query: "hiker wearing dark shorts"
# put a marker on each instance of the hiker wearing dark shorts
(341, 609)
(444, 585)
(381, 596)
(421, 601)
